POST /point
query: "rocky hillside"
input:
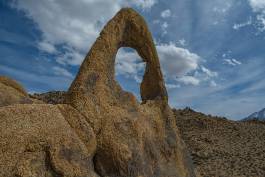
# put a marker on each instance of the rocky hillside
(52, 97)
(221, 147)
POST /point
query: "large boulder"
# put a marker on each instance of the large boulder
(41, 140)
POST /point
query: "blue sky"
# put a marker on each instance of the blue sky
(212, 52)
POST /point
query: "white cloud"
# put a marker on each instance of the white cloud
(175, 61)
(72, 24)
(59, 71)
(208, 72)
(145, 4)
(238, 26)
(213, 83)
(261, 20)
(47, 47)
(182, 42)
(129, 64)
(232, 62)
(70, 57)
(164, 27)
(172, 86)
(181, 65)
(166, 13)
(188, 80)
(236, 62)
(258, 6)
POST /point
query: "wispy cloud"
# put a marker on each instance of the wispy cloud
(188, 80)
(129, 64)
(73, 26)
(165, 13)
(59, 71)
(258, 7)
(232, 62)
(238, 26)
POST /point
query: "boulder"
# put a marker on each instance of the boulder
(41, 140)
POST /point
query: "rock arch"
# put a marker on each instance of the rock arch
(134, 140)
(126, 29)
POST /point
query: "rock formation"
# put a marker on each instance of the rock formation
(133, 139)
(100, 130)
(12, 93)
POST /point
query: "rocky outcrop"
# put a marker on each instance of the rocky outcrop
(13, 84)
(12, 92)
(221, 147)
(100, 130)
(133, 139)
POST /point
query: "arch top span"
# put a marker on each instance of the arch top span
(126, 29)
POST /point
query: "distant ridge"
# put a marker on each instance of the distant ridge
(260, 116)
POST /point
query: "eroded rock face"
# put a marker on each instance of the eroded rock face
(97, 129)
(133, 139)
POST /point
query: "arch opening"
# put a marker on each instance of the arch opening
(129, 70)
(126, 29)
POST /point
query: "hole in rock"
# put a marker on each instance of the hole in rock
(129, 70)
